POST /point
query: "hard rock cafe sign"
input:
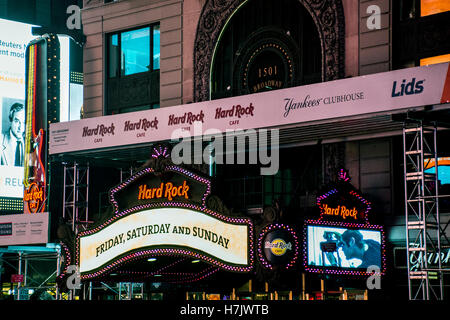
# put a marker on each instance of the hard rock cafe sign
(162, 210)
(33, 197)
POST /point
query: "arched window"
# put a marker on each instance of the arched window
(230, 39)
(266, 45)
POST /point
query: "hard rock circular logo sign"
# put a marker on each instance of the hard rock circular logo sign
(277, 246)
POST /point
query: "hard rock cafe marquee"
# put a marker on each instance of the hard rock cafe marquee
(163, 210)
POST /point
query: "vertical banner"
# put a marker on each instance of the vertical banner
(42, 107)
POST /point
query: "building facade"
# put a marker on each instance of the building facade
(157, 57)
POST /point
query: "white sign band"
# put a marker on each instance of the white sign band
(365, 95)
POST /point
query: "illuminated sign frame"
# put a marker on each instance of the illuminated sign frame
(342, 186)
(339, 211)
(263, 234)
(42, 101)
(170, 249)
(338, 270)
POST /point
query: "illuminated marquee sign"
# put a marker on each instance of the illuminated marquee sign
(181, 229)
(164, 212)
(42, 107)
(341, 241)
(341, 202)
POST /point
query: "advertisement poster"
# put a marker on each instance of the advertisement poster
(17, 229)
(14, 37)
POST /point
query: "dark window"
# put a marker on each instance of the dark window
(133, 69)
(420, 31)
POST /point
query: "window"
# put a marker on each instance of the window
(420, 31)
(133, 69)
(134, 51)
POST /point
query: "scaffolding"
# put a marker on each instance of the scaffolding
(76, 206)
(423, 226)
(31, 262)
(76, 210)
(76, 196)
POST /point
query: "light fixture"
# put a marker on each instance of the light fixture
(151, 259)
(195, 261)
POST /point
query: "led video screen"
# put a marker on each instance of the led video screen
(340, 248)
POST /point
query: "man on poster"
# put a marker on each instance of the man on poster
(12, 140)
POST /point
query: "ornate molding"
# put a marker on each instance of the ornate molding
(328, 16)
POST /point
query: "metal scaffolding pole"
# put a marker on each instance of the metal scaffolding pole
(76, 201)
(423, 229)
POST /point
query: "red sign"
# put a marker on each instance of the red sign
(33, 197)
(16, 278)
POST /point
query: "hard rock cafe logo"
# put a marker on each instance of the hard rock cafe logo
(234, 111)
(166, 190)
(340, 210)
(186, 118)
(33, 197)
(278, 246)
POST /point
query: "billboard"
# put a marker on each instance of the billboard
(42, 107)
(342, 241)
(14, 37)
(443, 168)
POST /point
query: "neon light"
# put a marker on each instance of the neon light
(160, 152)
(151, 170)
(343, 175)
(324, 212)
(33, 196)
(165, 190)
